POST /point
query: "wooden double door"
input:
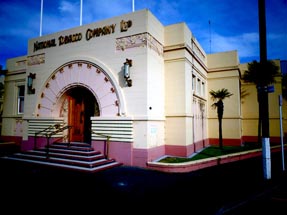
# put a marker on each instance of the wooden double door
(81, 105)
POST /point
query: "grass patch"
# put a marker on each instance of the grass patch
(211, 151)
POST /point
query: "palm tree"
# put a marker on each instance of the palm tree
(219, 96)
(261, 76)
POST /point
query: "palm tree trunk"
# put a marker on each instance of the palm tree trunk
(220, 132)
(220, 109)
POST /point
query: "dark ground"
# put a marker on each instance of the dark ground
(234, 188)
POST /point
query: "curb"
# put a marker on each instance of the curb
(207, 162)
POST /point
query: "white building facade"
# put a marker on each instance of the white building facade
(77, 77)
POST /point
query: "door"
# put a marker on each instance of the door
(81, 107)
(76, 119)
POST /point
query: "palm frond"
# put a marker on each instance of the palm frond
(220, 94)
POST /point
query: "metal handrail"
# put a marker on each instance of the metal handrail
(59, 129)
(49, 133)
(42, 131)
(107, 143)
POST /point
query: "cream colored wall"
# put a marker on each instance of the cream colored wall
(222, 60)
(224, 73)
(102, 51)
(142, 43)
(175, 89)
(155, 106)
(181, 62)
(179, 131)
(250, 107)
(16, 76)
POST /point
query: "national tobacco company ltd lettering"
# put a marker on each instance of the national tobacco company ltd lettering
(90, 33)
(44, 44)
(70, 38)
(96, 32)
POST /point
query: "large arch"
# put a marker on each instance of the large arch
(80, 73)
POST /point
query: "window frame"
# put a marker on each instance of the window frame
(20, 98)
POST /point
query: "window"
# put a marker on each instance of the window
(193, 82)
(198, 86)
(203, 89)
(21, 92)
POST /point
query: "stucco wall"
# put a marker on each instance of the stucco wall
(224, 73)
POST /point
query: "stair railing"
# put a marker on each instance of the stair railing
(107, 143)
(50, 131)
(59, 128)
(44, 131)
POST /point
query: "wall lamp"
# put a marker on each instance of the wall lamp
(127, 66)
(31, 77)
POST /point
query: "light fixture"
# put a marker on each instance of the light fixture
(127, 66)
(31, 76)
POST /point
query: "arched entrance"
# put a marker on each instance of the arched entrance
(80, 106)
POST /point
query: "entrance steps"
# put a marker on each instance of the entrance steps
(74, 155)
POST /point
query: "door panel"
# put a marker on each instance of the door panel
(76, 119)
(81, 106)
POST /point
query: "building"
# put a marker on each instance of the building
(131, 80)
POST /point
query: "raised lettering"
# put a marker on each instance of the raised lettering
(44, 44)
(97, 32)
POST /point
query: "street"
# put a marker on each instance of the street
(233, 188)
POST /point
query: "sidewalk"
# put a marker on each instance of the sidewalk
(231, 188)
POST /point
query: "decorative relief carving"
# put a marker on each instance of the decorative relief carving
(139, 40)
(36, 59)
(125, 25)
(21, 63)
(51, 93)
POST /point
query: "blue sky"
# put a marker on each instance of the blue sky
(233, 23)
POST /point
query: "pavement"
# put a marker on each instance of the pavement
(233, 188)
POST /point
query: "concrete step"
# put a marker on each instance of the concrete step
(78, 156)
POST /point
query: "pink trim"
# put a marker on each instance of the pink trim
(15, 139)
(155, 153)
(40, 142)
(140, 157)
(173, 150)
(197, 146)
(185, 151)
(226, 142)
(121, 151)
(254, 139)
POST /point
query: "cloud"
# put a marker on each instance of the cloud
(246, 44)
(68, 7)
(102, 9)
(234, 24)
(167, 11)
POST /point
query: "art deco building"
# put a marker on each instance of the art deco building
(131, 80)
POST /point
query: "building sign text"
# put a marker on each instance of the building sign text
(90, 33)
